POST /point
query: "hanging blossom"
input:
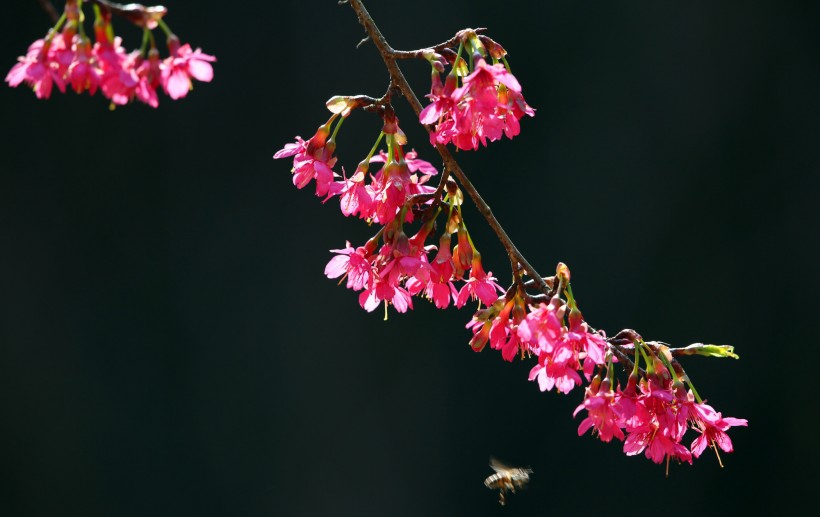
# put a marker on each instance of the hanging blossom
(388, 190)
(66, 57)
(560, 348)
(39, 69)
(652, 415)
(382, 275)
(486, 106)
(404, 267)
(376, 198)
(312, 159)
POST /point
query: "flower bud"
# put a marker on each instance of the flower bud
(444, 254)
(449, 55)
(341, 105)
(493, 48)
(631, 385)
(594, 385)
(401, 244)
(575, 317)
(436, 60)
(463, 252)
(562, 273)
(173, 44)
(606, 385)
(391, 122)
(480, 338)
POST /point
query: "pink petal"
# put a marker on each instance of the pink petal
(288, 150)
(178, 84)
(585, 425)
(201, 70)
(337, 266)
(16, 75)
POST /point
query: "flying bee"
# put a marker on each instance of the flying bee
(506, 478)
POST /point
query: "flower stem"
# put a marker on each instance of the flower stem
(375, 146)
(56, 29)
(336, 129)
(146, 38)
(167, 30)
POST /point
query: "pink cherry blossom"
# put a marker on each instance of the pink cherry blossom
(440, 112)
(353, 262)
(557, 370)
(591, 346)
(543, 328)
(712, 427)
(392, 275)
(480, 285)
(83, 73)
(119, 77)
(482, 323)
(38, 68)
(355, 195)
(655, 427)
(543, 332)
(395, 183)
(503, 333)
(604, 413)
(149, 73)
(313, 159)
(181, 66)
(440, 288)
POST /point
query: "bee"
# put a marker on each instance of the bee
(506, 478)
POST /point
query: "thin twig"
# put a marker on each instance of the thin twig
(389, 57)
(50, 10)
(419, 54)
(138, 14)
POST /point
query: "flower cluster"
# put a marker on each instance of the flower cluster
(655, 412)
(486, 105)
(650, 415)
(563, 343)
(66, 57)
(422, 248)
(402, 266)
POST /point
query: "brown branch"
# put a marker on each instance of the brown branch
(389, 57)
(618, 344)
(138, 14)
(419, 54)
(50, 10)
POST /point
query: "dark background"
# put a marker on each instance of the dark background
(170, 346)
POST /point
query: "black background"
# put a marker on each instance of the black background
(170, 346)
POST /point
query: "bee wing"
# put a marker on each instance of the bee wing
(498, 466)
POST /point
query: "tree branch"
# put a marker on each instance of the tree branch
(138, 14)
(48, 7)
(389, 57)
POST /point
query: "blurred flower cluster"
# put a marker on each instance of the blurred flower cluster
(66, 58)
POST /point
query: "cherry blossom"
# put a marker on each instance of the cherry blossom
(181, 66)
(604, 412)
(39, 69)
(312, 159)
